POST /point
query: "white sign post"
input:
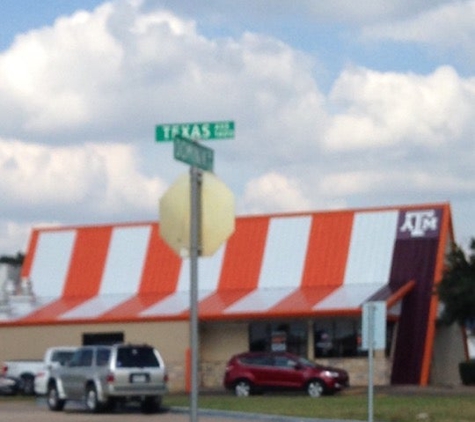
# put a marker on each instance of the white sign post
(373, 338)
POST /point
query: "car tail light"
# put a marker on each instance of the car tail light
(110, 378)
(166, 378)
(4, 369)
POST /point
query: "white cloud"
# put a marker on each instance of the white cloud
(81, 99)
(379, 181)
(370, 10)
(274, 192)
(13, 237)
(101, 178)
(114, 72)
(377, 109)
(51, 74)
(446, 26)
(348, 11)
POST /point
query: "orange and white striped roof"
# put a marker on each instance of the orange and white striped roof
(276, 265)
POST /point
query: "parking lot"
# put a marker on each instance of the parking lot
(36, 411)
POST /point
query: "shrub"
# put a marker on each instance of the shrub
(467, 372)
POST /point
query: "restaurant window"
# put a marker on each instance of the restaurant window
(278, 336)
(341, 337)
(337, 337)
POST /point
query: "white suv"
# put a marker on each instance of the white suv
(101, 376)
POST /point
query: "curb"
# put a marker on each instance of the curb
(253, 416)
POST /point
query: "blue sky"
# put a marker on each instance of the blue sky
(337, 104)
(24, 15)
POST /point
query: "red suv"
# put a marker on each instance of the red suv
(252, 372)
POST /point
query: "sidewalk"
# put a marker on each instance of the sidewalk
(225, 416)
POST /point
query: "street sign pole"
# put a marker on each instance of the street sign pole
(371, 310)
(186, 137)
(195, 230)
(374, 338)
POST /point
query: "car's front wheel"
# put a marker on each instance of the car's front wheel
(243, 388)
(52, 398)
(315, 388)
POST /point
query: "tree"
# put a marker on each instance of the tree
(457, 287)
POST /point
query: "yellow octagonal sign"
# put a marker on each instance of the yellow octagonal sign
(217, 214)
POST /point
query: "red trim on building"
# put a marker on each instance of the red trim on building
(446, 235)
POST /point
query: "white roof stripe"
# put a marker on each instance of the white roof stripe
(174, 304)
(95, 306)
(371, 247)
(285, 252)
(51, 263)
(122, 272)
(124, 264)
(259, 300)
(209, 271)
(369, 260)
(348, 296)
(282, 267)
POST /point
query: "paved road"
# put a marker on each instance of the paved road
(31, 411)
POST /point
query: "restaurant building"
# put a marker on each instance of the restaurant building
(295, 282)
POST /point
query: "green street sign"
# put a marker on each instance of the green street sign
(193, 153)
(196, 131)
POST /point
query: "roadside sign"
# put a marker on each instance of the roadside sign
(196, 131)
(217, 215)
(373, 325)
(193, 153)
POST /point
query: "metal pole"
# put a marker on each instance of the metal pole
(195, 230)
(371, 310)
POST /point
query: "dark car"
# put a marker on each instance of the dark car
(9, 385)
(253, 372)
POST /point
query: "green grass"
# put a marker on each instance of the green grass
(351, 404)
(387, 408)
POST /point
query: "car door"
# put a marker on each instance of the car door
(258, 367)
(67, 373)
(285, 372)
(77, 373)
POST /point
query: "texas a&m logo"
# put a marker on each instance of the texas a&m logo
(423, 223)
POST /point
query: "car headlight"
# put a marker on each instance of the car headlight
(330, 374)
